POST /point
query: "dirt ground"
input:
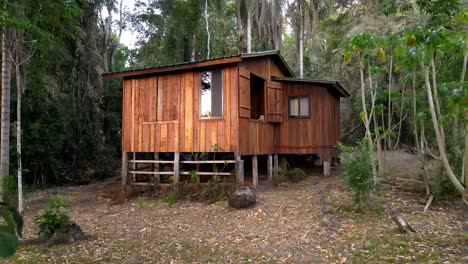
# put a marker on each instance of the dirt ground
(308, 222)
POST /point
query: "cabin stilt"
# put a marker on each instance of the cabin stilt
(176, 167)
(156, 167)
(270, 168)
(275, 168)
(254, 171)
(239, 169)
(134, 167)
(124, 169)
(284, 163)
(326, 168)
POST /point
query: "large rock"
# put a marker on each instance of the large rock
(74, 234)
(243, 197)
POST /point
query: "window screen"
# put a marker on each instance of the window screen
(298, 107)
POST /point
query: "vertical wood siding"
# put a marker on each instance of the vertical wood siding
(161, 114)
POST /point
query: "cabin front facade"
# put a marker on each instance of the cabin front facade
(245, 105)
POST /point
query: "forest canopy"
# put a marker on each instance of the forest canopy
(404, 62)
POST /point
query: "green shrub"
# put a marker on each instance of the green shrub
(53, 217)
(141, 201)
(279, 177)
(296, 175)
(357, 163)
(8, 232)
(171, 197)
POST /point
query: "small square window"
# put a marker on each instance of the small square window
(298, 107)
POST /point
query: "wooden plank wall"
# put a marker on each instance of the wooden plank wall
(315, 135)
(256, 137)
(161, 114)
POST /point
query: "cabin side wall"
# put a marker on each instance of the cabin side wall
(317, 134)
(161, 114)
(256, 137)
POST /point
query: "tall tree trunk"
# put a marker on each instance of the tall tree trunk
(465, 157)
(436, 97)
(457, 107)
(249, 30)
(440, 142)
(301, 39)
(5, 113)
(119, 36)
(388, 139)
(208, 36)
(107, 37)
(402, 106)
(19, 92)
(415, 114)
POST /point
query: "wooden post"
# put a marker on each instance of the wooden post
(239, 169)
(254, 171)
(124, 169)
(284, 163)
(176, 167)
(275, 158)
(326, 167)
(156, 167)
(270, 168)
(134, 167)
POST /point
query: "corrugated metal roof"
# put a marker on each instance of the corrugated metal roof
(199, 63)
(340, 89)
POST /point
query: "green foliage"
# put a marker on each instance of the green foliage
(141, 202)
(279, 177)
(213, 188)
(171, 197)
(8, 232)
(296, 175)
(357, 164)
(53, 217)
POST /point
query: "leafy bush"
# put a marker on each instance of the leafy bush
(357, 163)
(8, 232)
(279, 177)
(296, 175)
(53, 217)
(171, 197)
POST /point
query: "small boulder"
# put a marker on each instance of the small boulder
(73, 234)
(243, 197)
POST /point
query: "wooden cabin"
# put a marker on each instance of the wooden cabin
(242, 106)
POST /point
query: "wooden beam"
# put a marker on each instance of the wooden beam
(152, 172)
(205, 173)
(207, 161)
(152, 161)
(124, 169)
(134, 167)
(176, 167)
(254, 171)
(270, 168)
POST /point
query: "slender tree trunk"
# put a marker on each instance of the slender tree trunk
(388, 139)
(208, 36)
(402, 106)
(436, 97)
(415, 114)
(465, 157)
(457, 107)
(5, 113)
(107, 38)
(119, 36)
(301, 39)
(19, 92)
(249, 33)
(440, 143)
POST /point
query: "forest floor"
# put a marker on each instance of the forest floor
(312, 221)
